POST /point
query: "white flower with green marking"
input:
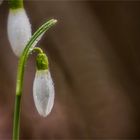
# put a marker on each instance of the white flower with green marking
(43, 87)
(19, 30)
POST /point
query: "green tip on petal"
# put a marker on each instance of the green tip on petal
(42, 61)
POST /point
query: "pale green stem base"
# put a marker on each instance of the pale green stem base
(16, 118)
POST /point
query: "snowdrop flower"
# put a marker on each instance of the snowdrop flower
(43, 87)
(19, 30)
(43, 92)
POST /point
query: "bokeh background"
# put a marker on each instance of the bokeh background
(94, 54)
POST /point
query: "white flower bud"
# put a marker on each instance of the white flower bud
(19, 30)
(43, 92)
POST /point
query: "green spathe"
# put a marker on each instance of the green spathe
(42, 61)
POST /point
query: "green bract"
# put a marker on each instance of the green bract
(42, 61)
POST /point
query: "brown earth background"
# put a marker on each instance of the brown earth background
(94, 54)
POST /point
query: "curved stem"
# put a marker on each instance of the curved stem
(37, 49)
(20, 73)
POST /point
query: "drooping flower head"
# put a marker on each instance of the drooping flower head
(19, 29)
(43, 87)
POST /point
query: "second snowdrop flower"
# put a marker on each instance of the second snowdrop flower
(43, 87)
(19, 30)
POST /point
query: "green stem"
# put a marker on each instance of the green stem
(20, 73)
(16, 118)
(15, 4)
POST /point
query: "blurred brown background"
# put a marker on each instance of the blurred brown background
(94, 54)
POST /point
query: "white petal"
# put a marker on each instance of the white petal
(19, 30)
(43, 92)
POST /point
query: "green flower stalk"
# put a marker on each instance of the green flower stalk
(16, 4)
(20, 73)
(23, 44)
